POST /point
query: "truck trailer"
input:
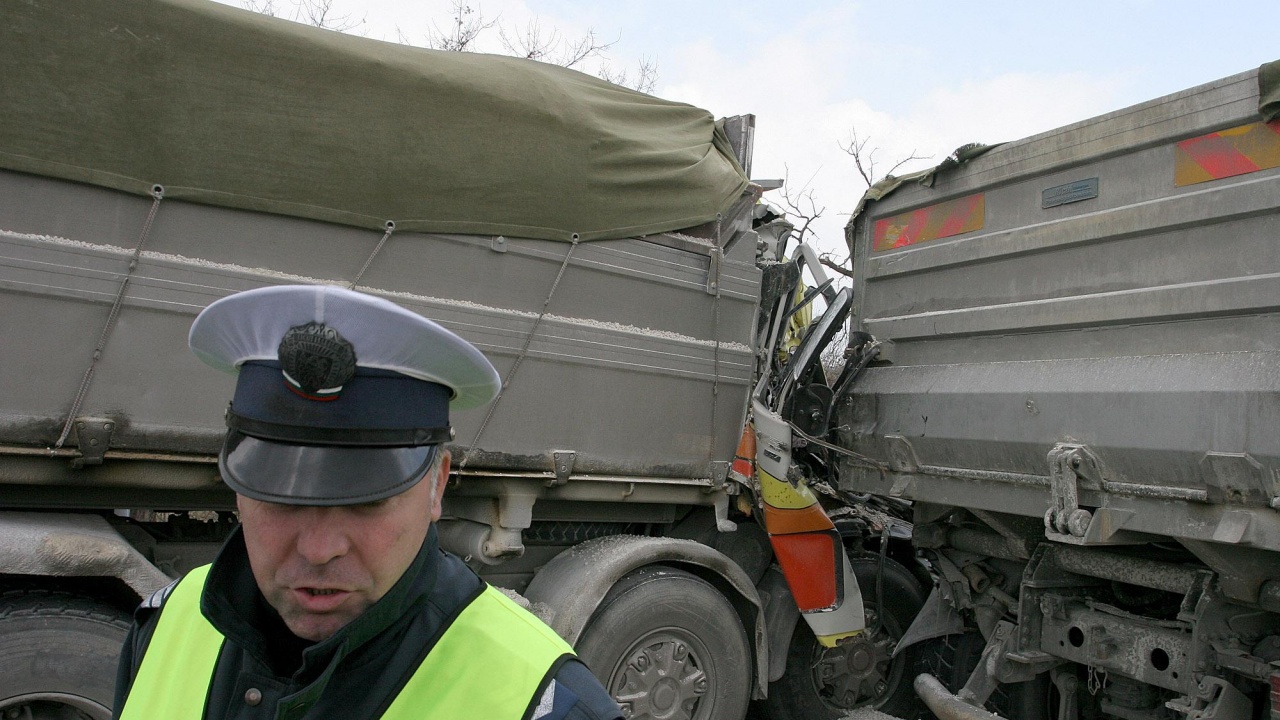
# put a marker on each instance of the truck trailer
(1076, 384)
(1040, 481)
(604, 248)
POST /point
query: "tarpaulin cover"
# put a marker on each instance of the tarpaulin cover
(232, 108)
(1269, 90)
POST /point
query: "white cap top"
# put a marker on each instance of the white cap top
(249, 326)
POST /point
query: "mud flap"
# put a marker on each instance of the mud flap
(937, 618)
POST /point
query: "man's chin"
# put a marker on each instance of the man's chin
(316, 628)
(317, 617)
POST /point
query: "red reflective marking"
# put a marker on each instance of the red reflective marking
(808, 562)
(958, 217)
(915, 223)
(882, 235)
(938, 215)
(744, 459)
(930, 223)
(1218, 156)
(784, 521)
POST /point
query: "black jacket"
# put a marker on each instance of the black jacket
(264, 672)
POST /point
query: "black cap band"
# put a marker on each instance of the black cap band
(372, 436)
(384, 401)
(342, 437)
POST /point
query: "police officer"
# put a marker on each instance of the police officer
(333, 598)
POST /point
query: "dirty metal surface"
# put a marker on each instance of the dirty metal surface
(1141, 322)
(633, 353)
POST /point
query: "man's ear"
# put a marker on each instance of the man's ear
(441, 479)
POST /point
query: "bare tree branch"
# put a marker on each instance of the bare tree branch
(551, 47)
(826, 260)
(862, 160)
(645, 79)
(266, 7)
(533, 45)
(865, 160)
(466, 25)
(800, 204)
(584, 47)
(317, 13)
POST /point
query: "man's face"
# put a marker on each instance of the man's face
(321, 567)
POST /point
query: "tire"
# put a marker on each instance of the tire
(667, 644)
(58, 655)
(826, 683)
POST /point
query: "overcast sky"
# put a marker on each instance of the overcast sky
(922, 77)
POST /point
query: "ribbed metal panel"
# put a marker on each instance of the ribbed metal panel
(636, 367)
(1143, 322)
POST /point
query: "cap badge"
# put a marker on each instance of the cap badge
(316, 361)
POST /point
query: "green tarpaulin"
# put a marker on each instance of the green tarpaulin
(1269, 90)
(227, 107)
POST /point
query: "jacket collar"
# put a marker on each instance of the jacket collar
(235, 606)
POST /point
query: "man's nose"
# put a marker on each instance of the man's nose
(321, 540)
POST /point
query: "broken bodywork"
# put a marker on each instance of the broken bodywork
(1078, 386)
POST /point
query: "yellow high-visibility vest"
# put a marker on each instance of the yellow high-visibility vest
(492, 637)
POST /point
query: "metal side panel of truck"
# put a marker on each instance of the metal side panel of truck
(1079, 387)
(596, 243)
(626, 405)
(635, 346)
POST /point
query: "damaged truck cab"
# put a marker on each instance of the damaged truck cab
(604, 248)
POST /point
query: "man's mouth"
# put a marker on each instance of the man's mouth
(320, 600)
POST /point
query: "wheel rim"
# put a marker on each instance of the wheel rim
(662, 676)
(52, 706)
(859, 671)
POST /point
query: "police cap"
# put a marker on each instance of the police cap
(341, 397)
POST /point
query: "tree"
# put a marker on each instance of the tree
(468, 26)
(865, 160)
(801, 206)
(465, 27)
(318, 13)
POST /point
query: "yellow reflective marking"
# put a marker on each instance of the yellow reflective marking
(831, 640)
(780, 494)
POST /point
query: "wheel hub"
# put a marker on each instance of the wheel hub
(52, 706)
(660, 680)
(858, 671)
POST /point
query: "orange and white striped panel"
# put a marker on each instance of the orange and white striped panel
(1227, 153)
(953, 217)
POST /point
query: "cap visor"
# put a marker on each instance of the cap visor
(319, 475)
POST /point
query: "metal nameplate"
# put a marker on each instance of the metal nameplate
(1069, 193)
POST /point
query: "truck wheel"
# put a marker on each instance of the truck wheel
(666, 644)
(58, 655)
(826, 683)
